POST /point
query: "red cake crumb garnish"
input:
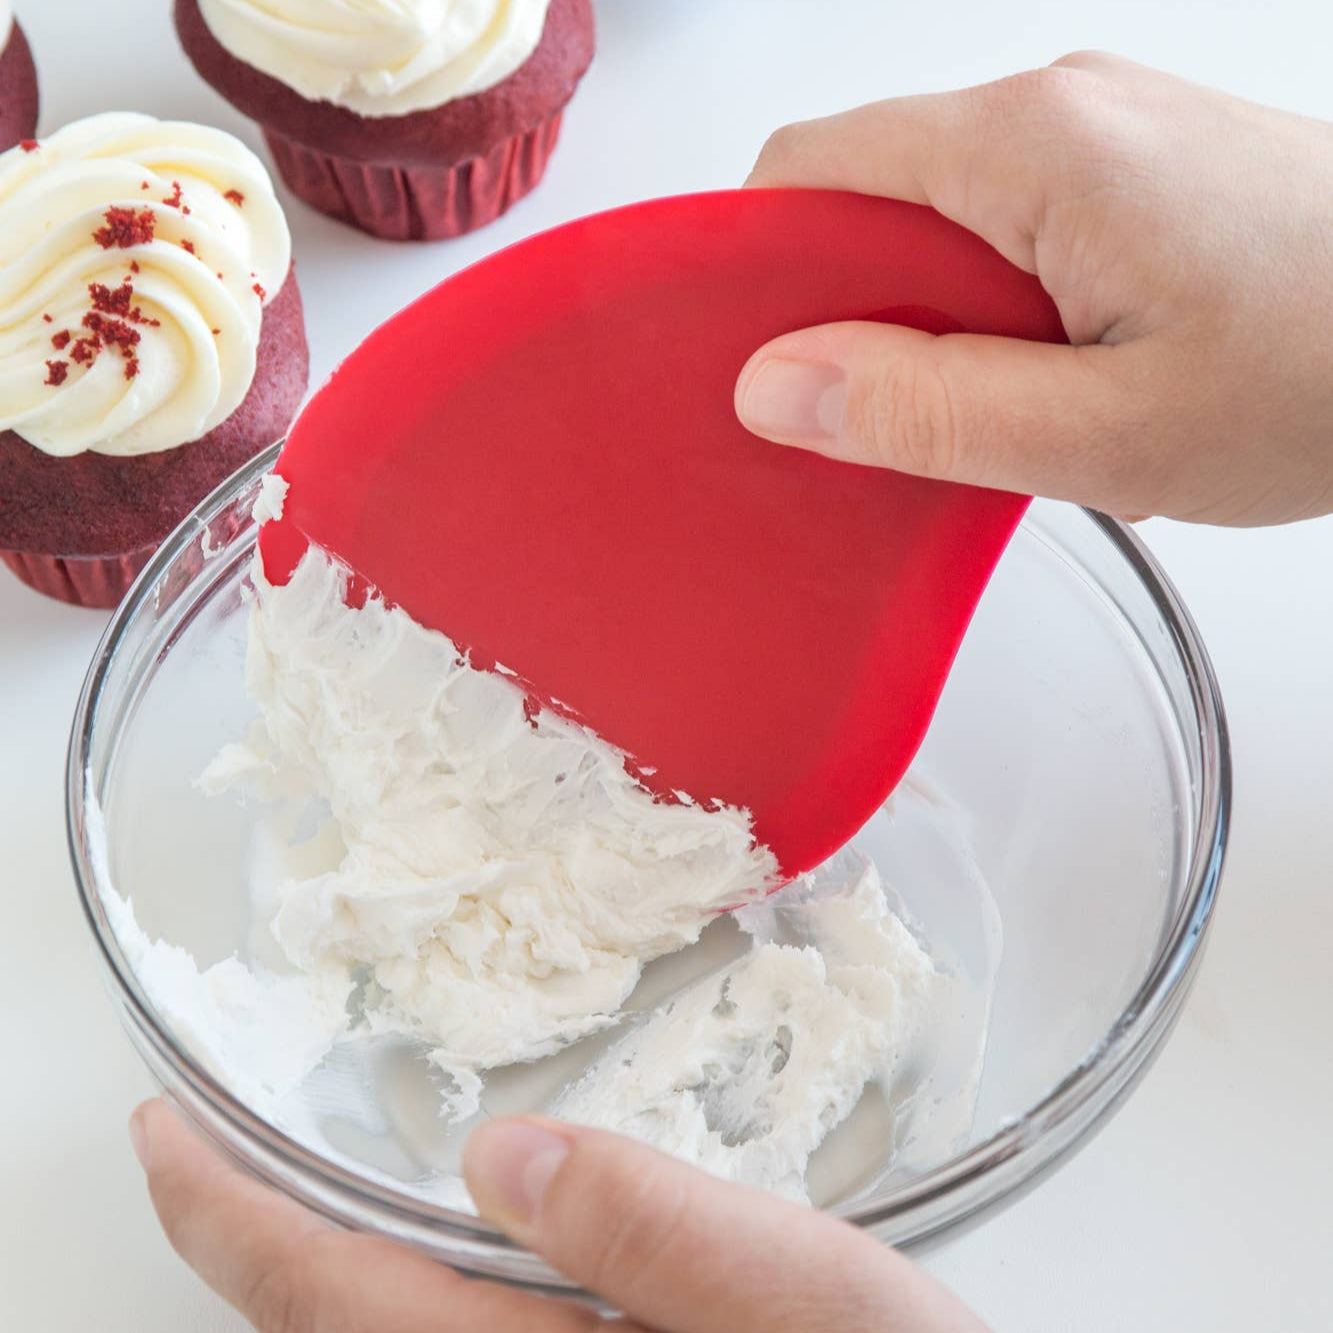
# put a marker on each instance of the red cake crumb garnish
(124, 228)
(109, 302)
(117, 302)
(235, 196)
(188, 246)
(111, 332)
(115, 333)
(216, 332)
(173, 200)
(143, 185)
(30, 146)
(134, 265)
(56, 372)
(48, 319)
(110, 323)
(61, 340)
(259, 291)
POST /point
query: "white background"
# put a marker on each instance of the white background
(1205, 1204)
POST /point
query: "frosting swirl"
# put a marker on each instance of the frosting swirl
(135, 258)
(380, 57)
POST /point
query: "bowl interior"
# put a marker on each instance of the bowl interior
(1067, 744)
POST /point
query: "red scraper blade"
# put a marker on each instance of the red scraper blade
(540, 458)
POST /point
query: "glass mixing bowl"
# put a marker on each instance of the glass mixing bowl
(1081, 733)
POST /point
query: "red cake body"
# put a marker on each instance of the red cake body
(81, 528)
(18, 91)
(423, 176)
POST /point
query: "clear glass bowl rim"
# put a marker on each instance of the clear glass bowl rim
(970, 1184)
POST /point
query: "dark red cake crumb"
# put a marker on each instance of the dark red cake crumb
(109, 302)
(29, 145)
(173, 200)
(188, 247)
(111, 332)
(124, 228)
(134, 266)
(48, 319)
(85, 351)
(56, 372)
(235, 196)
(61, 340)
(259, 291)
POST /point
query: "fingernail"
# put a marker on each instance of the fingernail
(139, 1137)
(509, 1165)
(797, 401)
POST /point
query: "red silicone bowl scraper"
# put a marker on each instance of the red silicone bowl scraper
(541, 459)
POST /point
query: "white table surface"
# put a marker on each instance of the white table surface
(1204, 1205)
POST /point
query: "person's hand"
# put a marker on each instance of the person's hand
(673, 1248)
(1187, 240)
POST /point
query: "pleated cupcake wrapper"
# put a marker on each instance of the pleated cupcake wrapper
(417, 203)
(83, 580)
(102, 580)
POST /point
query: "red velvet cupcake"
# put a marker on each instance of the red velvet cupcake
(151, 341)
(410, 120)
(18, 82)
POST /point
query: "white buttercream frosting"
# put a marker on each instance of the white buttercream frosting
(178, 228)
(504, 878)
(271, 498)
(380, 57)
(489, 884)
(257, 1032)
(746, 1072)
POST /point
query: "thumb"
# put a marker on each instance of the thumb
(682, 1251)
(1067, 422)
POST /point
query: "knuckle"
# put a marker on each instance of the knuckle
(1058, 95)
(644, 1215)
(1079, 127)
(282, 1296)
(270, 1302)
(779, 151)
(1091, 60)
(1062, 90)
(909, 419)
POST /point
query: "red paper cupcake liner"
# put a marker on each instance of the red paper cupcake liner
(82, 580)
(417, 203)
(18, 90)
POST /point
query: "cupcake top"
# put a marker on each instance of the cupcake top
(380, 57)
(136, 257)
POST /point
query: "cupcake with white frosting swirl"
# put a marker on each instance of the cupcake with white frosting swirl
(411, 119)
(151, 341)
(18, 82)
